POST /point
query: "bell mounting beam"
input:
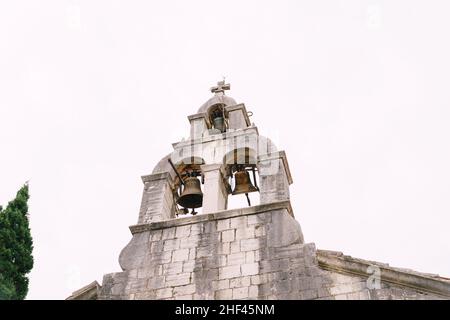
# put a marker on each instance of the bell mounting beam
(176, 171)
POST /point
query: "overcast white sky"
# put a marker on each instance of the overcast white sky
(93, 93)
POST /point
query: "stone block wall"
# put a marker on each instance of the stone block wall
(346, 287)
(234, 254)
(251, 253)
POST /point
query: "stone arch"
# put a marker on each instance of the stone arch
(243, 155)
(217, 99)
(215, 108)
(188, 163)
(163, 165)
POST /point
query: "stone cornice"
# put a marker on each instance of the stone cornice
(157, 176)
(225, 214)
(240, 106)
(197, 116)
(213, 137)
(337, 262)
(89, 292)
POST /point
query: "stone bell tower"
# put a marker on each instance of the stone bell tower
(253, 252)
(220, 253)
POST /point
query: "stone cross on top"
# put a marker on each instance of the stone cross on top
(221, 87)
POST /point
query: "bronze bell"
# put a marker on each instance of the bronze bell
(192, 195)
(243, 183)
(219, 123)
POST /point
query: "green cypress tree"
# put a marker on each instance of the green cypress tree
(7, 290)
(16, 247)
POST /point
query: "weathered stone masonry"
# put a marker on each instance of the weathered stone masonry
(251, 253)
(232, 254)
(257, 252)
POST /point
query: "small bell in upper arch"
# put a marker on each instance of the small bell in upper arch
(219, 124)
(218, 121)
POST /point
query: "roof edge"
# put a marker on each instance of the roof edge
(338, 262)
(88, 292)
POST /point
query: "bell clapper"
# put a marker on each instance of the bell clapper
(255, 181)
(248, 200)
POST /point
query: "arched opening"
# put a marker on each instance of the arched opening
(216, 117)
(242, 178)
(187, 187)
